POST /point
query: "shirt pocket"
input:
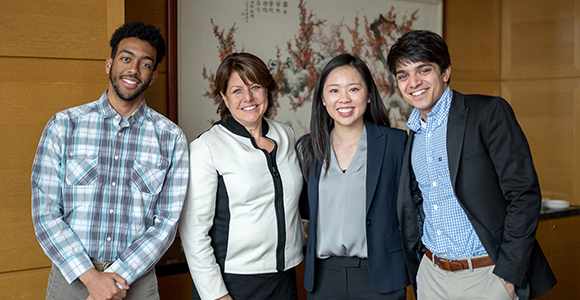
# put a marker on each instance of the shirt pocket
(81, 171)
(148, 174)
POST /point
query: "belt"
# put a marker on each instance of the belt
(102, 266)
(456, 265)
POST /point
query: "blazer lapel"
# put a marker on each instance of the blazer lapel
(376, 145)
(455, 133)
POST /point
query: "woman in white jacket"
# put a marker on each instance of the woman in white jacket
(240, 225)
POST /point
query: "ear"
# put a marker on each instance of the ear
(446, 74)
(224, 99)
(323, 102)
(108, 64)
(153, 77)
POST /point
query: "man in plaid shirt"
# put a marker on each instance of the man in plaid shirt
(108, 181)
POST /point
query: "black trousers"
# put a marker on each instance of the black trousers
(279, 286)
(347, 278)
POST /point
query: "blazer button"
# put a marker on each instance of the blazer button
(368, 222)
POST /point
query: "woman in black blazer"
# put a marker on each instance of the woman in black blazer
(351, 161)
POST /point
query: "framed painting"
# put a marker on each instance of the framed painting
(295, 38)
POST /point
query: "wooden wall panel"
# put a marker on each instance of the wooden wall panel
(545, 111)
(54, 28)
(30, 96)
(475, 87)
(24, 285)
(540, 39)
(473, 38)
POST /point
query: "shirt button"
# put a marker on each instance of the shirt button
(119, 134)
(71, 154)
(108, 239)
(438, 232)
(159, 164)
(114, 184)
(429, 134)
(117, 117)
(434, 183)
(111, 211)
(369, 222)
(116, 157)
(430, 159)
(435, 207)
(88, 155)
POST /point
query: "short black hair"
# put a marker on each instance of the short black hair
(148, 33)
(419, 46)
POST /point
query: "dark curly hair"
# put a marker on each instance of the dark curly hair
(137, 29)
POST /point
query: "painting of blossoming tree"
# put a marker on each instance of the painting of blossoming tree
(297, 38)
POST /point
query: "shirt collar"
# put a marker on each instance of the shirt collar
(235, 127)
(438, 113)
(110, 112)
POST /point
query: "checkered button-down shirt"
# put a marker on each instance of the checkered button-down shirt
(446, 231)
(107, 189)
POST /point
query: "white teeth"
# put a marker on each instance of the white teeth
(129, 81)
(417, 93)
(249, 107)
(345, 110)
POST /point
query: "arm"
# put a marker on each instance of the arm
(145, 251)
(509, 151)
(55, 236)
(197, 219)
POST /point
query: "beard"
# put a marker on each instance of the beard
(130, 96)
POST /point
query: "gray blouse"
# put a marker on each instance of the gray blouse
(341, 229)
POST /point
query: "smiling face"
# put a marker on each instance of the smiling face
(131, 70)
(247, 103)
(422, 84)
(345, 96)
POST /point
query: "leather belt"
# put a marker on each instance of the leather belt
(102, 266)
(456, 265)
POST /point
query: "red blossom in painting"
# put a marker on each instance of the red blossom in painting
(308, 52)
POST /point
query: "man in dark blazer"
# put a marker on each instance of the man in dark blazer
(469, 199)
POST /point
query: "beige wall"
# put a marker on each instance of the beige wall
(52, 57)
(527, 51)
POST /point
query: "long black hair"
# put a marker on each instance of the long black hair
(315, 146)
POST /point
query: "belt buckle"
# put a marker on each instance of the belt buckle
(438, 261)
(107, 265)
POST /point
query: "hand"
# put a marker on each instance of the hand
(510, 288)
(103, 286)
(226, 297)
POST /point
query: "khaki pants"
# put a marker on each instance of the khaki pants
(145, 288)
(433, 283)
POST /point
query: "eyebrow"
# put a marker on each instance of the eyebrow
(426, 64)
(133, 54)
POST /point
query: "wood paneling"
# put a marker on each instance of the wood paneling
(545, 110)
(475, 87)
(175, 287)
(473, 38)
(560, 242)
(24, 285)
(540, 39)
(54, 28)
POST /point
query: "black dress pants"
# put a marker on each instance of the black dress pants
(347, 278)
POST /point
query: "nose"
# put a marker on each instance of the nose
(133, 67)
(414, 81)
